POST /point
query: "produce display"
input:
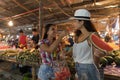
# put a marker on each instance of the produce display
(28, 56)
(4, 46)
(24, 56)
(113, 57)
(8, 54)
(111, 63)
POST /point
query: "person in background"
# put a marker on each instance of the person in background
(35, 38)
(22, 39)
(23, 44)
(108, 38)
(83, 51)
(47, 46)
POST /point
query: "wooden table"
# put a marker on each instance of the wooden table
(111, 77)
(33, 65)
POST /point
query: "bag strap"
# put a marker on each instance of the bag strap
(89, 41)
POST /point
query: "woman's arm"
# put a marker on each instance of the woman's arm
(97, 55)
(54, 45)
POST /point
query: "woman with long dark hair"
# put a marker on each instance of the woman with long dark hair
(47, 45)
(83, 51)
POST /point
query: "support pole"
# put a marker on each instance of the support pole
(40, 26)
(33, 73)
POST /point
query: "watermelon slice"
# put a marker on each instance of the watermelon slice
(100, 44)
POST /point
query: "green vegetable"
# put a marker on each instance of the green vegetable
(117, 60)
(27, 76)
(109, 59)
(103, 62)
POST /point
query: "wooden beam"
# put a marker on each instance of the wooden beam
(23, 7)
(62, 10)
(18, 15)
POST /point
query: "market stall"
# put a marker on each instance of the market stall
(22, 57)
(25, 15)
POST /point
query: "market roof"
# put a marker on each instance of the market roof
(26, 12)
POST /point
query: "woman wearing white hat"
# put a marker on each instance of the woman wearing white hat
(83, 51)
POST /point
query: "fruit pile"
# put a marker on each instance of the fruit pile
(8, 53)
(28, 56)
(4, 47)
(113, 57)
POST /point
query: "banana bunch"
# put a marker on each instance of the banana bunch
(28, 56)
(3, 55)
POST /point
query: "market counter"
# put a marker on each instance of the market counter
(111, 77)
(12, 57)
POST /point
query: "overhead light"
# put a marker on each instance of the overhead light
(17, 36)
(104, 2)
(111, 6)
(4, 36)
(103, 22)
(10, 23)
(29, 28)
(98, 3)
(72, 34)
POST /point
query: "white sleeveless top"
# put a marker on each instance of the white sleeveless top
(82, 53)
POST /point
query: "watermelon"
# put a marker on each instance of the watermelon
(109, 59)
(112, 55)
(103, 62)
(100, 44)
(117, 60)
(116, 53)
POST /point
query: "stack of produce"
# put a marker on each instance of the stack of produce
(8, 54)
(4, 46)
(28, 56)
(113, 57)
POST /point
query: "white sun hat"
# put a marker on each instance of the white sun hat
(81, 14)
